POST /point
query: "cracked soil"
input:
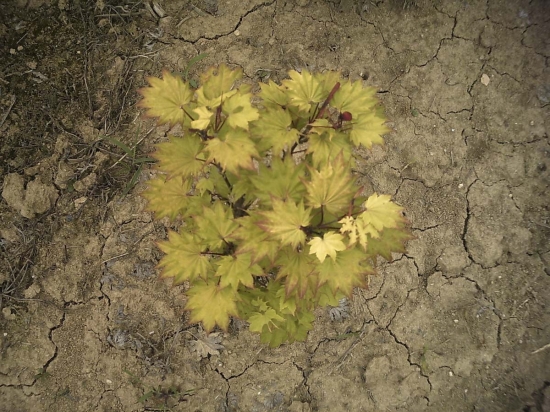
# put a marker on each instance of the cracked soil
(461, 322)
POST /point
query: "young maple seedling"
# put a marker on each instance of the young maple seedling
(273, 223)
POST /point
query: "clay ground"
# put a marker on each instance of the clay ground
(461, 322)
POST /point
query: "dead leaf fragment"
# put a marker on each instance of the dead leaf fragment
(208, 345)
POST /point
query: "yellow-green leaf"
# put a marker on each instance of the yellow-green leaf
(273, 95)
(330, 244)
(356, 230)
(273, 130)
(181, 156)
(232, 149)
(345, 272)
(328, 80)
(325, 147)
(167, 197)
(239, 110)
(204, 119)
(166, 98)
(304, 89)
(218, 81)
(184, 258)
(331, 187)
(234, 270)
(298, 270)
(368, 129)
(255, 241)
(260, 320)
(390, 240)
(215, 225)
(354, 98)
(283, 180)
(286, 221)
(211, 304)
(381, 213)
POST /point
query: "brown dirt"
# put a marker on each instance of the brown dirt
(461, 322)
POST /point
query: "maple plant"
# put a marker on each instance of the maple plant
(273, 222)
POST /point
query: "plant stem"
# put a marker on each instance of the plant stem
(226, 180)
(319, 115)
(212, 254)
(327, 100)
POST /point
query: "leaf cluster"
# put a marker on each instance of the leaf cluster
(273, 221)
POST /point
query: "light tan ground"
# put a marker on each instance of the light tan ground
(459, 323)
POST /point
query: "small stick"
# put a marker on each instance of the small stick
(547, 346)
(13, 98)
(347, 352)
(115, 257)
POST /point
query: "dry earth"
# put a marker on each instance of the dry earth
(461, 322)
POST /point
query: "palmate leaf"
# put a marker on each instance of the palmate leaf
(181, 156)
(325, 148)
(286, 304)
(273, 95)
(391, 240)
(241, 186)
(235, 270)
(327, 297)
(304, 89)
(329, 244)
(217, 82)
(354, 98)
(167, 197)
(217, 183)
(298, 271)
(380, 212)
(344, 272)
(204, 118)
(166, 99)
(260, 320)
(286, 221)
(303, 323)
(327, 80)
(215, 225)
(294, 328)
(274, 337)
(239, 110)
(183, 259)
(274, 131)
(254, 240)
(232, 149)
(332, 187)
(211, 304)
(356, 230)
(368, 129)
(282, 180)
